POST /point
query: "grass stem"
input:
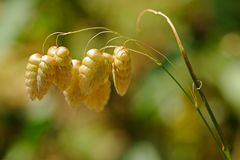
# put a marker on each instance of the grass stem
(196, 81)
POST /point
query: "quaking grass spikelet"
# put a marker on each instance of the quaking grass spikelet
(98, 99)
(121, 69)
(31, 75)
(63, 66)
(46, 75)
(73, 94)
(93, 71)
(52, 51)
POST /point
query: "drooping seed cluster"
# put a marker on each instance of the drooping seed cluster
(121, 70)
(85, 81)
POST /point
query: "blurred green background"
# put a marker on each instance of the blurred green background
(154, 121)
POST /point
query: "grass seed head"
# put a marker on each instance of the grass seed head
(121, 70)
(98, 99)
(31, 75)
(46, 75)
(52, 51)
(73, 93)
(63, 66)
(92, 72)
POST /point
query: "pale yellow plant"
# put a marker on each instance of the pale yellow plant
(81, 82)
(31, 75)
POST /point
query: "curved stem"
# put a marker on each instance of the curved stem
(84, 29)
(144, 54)
(192, 74)
(144, 45)
(78, 31)
(67, 33)
(106, 47)
(102, 32)
(112, 39)
(45, 41)
(181, 87)
(194, 102)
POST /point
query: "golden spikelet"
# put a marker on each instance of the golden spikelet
(46, 75)
(93, 71)
(73, 93)
(99, 97)
(63, 66)
(52, 51)
(31, 75)
(121, 70)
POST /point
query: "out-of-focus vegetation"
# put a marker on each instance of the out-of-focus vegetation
(154, 120)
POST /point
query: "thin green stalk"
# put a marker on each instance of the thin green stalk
(181, 87)
(90, 40)
(193, 102)
(67, 33)
(224, 148)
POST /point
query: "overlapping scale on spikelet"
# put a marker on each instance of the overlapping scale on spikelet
(98, 99)
(52, 51)
(121, 70)
(63, 66)
(46, 75)
(73, 93)
(93, 71)
(86, 81)
(31, 75)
